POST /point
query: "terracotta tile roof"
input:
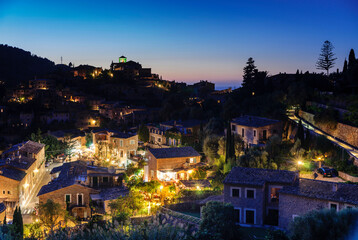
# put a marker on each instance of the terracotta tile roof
(253, 121)
(330, 191)
(174, 152)
(259, 176)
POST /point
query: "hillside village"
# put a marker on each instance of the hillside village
(90, 145)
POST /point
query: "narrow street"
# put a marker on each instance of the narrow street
(46, 178)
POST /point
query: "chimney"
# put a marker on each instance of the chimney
(335, 187)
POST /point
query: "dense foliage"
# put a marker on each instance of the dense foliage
(324, 224)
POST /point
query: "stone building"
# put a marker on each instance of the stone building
(116, 146)
(21, 171)
(254, 193)
(170, 133)
(76, 183)
(308, 195)
(255, 130)
(169, 164)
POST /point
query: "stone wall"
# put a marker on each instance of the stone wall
(347, 177)
(292, 205)
(343, 132)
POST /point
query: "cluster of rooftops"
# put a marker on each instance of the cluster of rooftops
(18, 159)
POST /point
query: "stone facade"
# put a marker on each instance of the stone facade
(292, 206)
(242, 203)
(23, 171)
(78, 206)
(342, 131)
(254, 135)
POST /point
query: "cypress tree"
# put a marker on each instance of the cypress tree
(300, 133)
(351, 59)
(345, 66)
(228, 143)
(4, 220)
(21, 223)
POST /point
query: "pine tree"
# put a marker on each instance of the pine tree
(326, 58)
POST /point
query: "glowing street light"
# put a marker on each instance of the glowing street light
(299, 163)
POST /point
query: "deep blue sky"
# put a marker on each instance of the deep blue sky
(184, 40)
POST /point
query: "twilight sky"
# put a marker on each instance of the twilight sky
(183, 40)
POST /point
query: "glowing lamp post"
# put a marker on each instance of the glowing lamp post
(299, 164)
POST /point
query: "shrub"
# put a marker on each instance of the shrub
(218, 220)
(324, 224)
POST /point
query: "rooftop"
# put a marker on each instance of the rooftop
(12, 173)
(347, 193)
(253, 121)
(259, 176)
(71, 173)
(32, 147)
(174, 152)
(21, 162)
(110, 193)
(185, 124)
(2, 207)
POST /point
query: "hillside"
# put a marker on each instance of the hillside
(17, 65)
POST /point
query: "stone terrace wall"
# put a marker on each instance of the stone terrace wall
(347, 177)
(343, 132)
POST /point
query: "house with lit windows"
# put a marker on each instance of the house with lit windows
(170, 133)
(171, 164)
(21, 171)
(116, 146)
(254, 193)
(255, 130)
(76, 184)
